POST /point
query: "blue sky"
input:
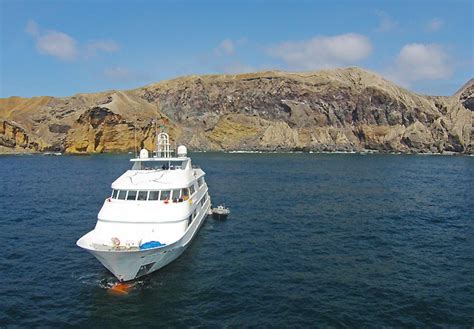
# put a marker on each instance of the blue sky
(61, 48)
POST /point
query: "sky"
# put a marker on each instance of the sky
(60, 48)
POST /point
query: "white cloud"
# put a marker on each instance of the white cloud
(323, 51)
(434, 25)
(225, 59)
(386, 23)
(63, 46)
(32, 28)
(226, 47)
(57, 44)
(418, 61)
(102, 45)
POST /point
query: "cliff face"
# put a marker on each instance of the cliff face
(334, 110)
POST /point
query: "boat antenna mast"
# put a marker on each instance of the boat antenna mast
(163, 145)
(135, 135)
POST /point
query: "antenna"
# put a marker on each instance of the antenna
(135, 135)
(163, 146)
(156, 135)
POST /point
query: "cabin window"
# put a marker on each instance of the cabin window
(114, 194)
(142, 195)
(202, 202)
(121, 195)
(190, 219)
(154, 195)
(200, 182)
(132, 195)
(176, 194)
(191, 189)
(165, 195)
(185, 192)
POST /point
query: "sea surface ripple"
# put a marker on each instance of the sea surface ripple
(314, 240)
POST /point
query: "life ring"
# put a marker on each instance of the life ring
(116, 241)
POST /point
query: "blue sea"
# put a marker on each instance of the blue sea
(314, 240)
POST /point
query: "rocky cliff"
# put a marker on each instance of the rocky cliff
(334, 110)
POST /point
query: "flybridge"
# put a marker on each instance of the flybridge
(162, 159)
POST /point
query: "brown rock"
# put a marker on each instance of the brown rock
(342, 109)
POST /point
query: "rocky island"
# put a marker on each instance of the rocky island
(331, 110)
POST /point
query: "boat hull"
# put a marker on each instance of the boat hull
(219, 216)
(127, 265)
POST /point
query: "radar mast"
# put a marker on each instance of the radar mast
(163, 146)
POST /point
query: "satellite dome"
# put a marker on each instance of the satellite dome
(144, 154)
(182, 151)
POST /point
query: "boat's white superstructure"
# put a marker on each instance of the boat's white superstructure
(154, 212)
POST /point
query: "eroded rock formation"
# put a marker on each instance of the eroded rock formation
(334, 110)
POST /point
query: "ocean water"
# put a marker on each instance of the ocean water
(314, 240)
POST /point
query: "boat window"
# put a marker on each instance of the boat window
(184, 192)
(121, 194)
(154, 195)
(142, 195)
(165, 195)
(202, 202)
(132, 195)
(191, 189)
(200, 182)
(155, 165)
(165, 165)
(114, 194)
(176, 194)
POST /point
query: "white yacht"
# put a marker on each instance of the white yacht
(155, 210)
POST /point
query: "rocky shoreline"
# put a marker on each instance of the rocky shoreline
(363, 152)
(341, 110)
